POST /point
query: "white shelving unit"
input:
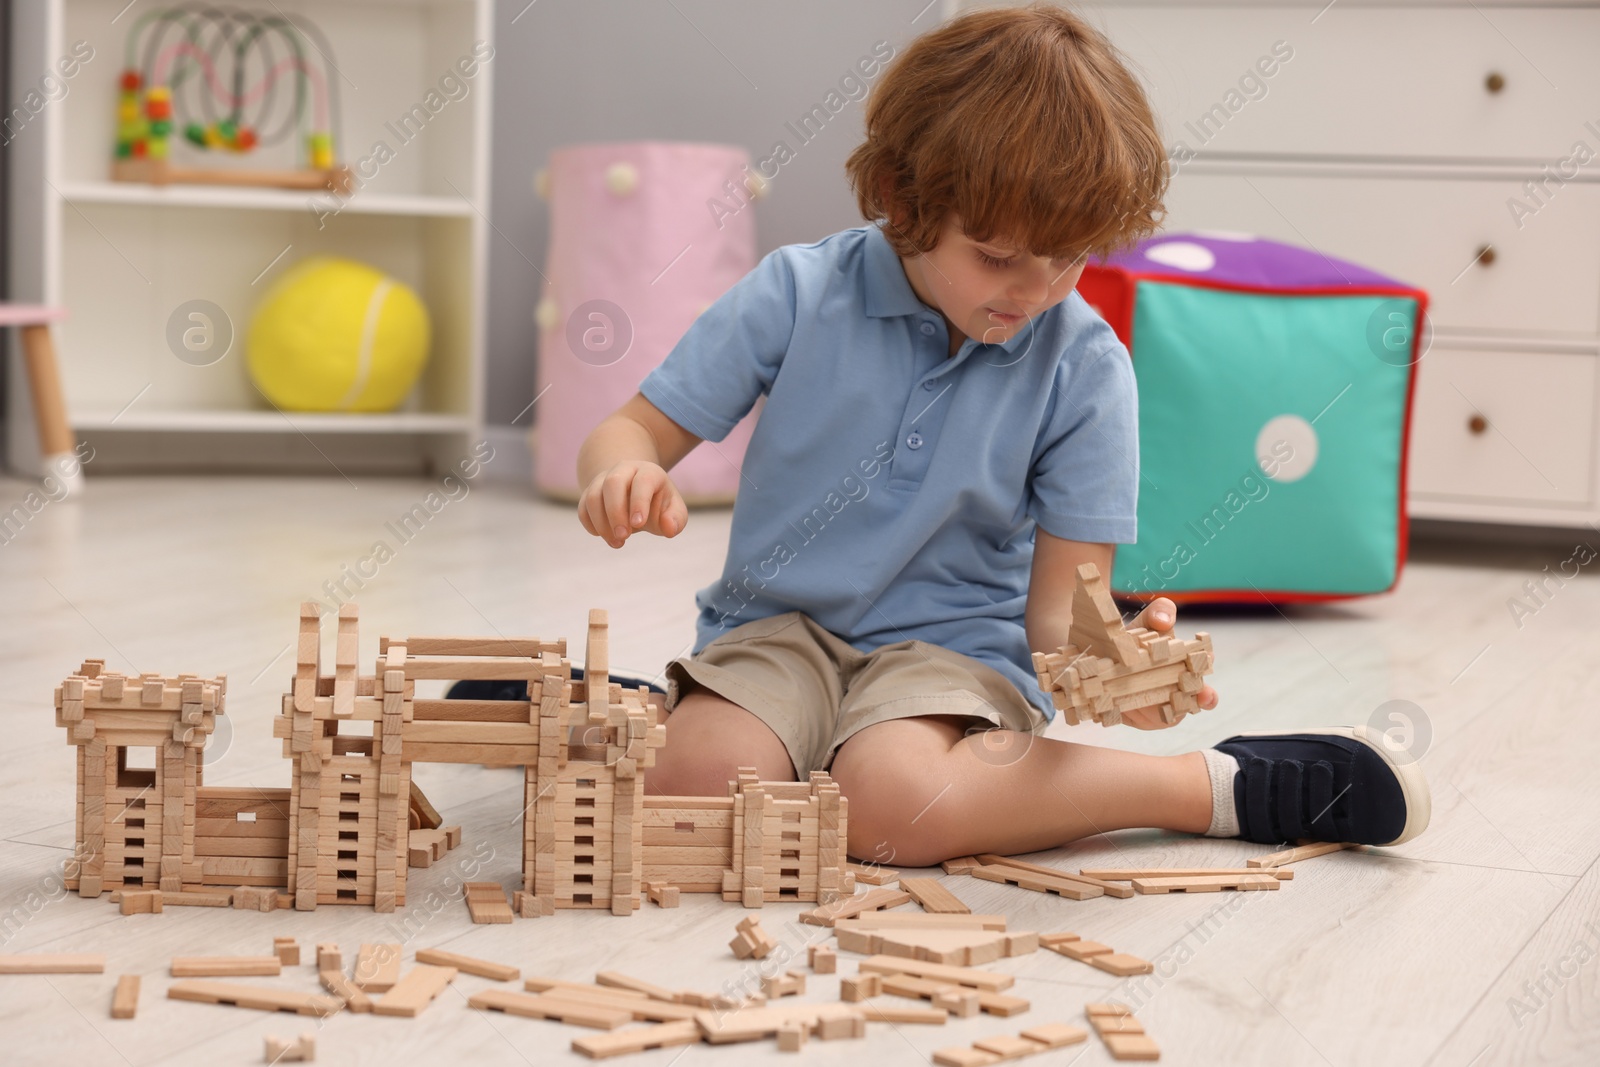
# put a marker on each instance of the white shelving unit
(122, 257)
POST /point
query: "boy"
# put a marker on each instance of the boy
(949, 431)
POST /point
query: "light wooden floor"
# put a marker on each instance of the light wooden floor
(1429, 953)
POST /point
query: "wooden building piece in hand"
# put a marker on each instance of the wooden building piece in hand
(1107, 669)
(1303, 852)
(125, 1001)
(934, 897)
(302, 1049)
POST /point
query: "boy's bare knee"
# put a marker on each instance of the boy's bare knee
(708, 740)
(900, 811)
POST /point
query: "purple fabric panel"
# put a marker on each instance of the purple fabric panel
(1243, 260)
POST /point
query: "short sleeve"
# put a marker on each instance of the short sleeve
(1085, 481)
(728, 357)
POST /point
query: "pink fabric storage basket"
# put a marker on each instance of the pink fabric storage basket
(638, 248)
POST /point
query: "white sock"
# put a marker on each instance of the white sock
(1224, 816)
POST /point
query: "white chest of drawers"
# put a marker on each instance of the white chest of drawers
(1453, 145)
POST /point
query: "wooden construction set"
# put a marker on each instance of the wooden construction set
(1109, 668)
(351, 821)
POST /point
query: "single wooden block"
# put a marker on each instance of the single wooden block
(1211, 883)
(1120, 964)
(419, 856)
(262, 998)
(750, 941)
(933, 896)
(791, 984)
(329, 958)
(486, 902)
(1056, 1035)
(1131, 1046)
(622, 1042)
(302, 1049)
(966, 976)
(873, 874)
(377, 968)
(962, 1003)
(224, 966)
(1128, 874)
(1108, 1007)
(964, 1056)
(287, 949)
(499, 972)
(1070, 888)
(141, 902)
(861, 987)
(1077, 948)
(616, 980)
(415, 991)
(125, 1001)
(1110, 889)
(879, 1012)
(823, 959)
(547, 1006)
(791, 1036)
(850, 907)
(1116, 1024)
(354, 999)
(1302, 852)
(1008, 1047)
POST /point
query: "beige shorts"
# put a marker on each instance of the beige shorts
(815, 690)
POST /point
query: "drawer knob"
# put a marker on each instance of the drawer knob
(1485, 255)
(1477, 424)
(1494, 82)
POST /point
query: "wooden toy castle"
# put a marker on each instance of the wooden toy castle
(339, 834)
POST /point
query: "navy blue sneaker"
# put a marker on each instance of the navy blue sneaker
(1339, 783)
(483, 689)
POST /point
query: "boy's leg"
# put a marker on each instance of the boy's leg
(708, 739)
(924, 789)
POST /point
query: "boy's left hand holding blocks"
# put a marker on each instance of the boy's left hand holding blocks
(1111, 673)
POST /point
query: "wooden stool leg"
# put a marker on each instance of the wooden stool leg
(49, 406)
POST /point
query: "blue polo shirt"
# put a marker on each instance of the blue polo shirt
(889, 490)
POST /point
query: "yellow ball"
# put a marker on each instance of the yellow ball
(337, 335)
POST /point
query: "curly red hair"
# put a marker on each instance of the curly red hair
(1026, 124)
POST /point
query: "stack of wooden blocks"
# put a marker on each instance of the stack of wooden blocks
(1108, 668)
(786, 838)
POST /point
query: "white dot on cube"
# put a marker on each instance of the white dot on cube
(1286, 448)
(1182, 255)
(622, 178)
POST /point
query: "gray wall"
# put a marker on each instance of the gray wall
(733, 72)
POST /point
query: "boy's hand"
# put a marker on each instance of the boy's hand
(1161, 615)
(631, 496)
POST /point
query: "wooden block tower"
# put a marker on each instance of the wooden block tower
(1108, 668)
(583, 843)
(135, 825)
(349, 794)
(787, 841)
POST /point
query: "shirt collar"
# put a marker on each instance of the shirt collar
(889, 293)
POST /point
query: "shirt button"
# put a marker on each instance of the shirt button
(914, 440)
(927, 328)
(928, 385)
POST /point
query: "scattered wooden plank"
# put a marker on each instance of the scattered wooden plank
(1072, 889)
(1302, 852)
(1110, 889)
(1213, 883)
(850, 907)
(499, 972)
(638, 1039)
(872, 874)
(966, 976)
(415, 990)
(545, 1006)
(54, 963)
(262, 998)
(1128, 874)
(934, 897)
(377, 968)
(125, 1001)
(225, 966)
(905, 985)
(918, 920)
